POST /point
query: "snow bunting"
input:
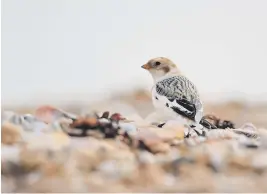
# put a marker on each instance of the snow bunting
(174, 96)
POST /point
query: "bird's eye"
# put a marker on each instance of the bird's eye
(157, 63)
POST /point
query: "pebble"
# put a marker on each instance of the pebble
(10, 153)
(171, 134)
(55, 140)
(117, 169)
(146, 158)
(263, 138)
(11, 134)
(7, 115)
(110, 169)
(222, 134)
(129, 128)
(49, 114)
(249, 126)
(152, 141)
(39, 156)
(8, 185)
(259, 161)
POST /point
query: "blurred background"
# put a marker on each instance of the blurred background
(87, 53)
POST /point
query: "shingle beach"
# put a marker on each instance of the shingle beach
(111, 149)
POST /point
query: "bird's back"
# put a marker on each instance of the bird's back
(178, 95)
(177, 87)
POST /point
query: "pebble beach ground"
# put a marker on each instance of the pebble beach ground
(47, 149)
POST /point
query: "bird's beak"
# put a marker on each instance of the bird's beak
(146, 66)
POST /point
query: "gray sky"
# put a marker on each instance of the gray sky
(83, 49)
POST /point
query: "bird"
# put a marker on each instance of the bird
(174, 96)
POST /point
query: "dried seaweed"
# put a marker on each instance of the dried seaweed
(216, 122)
(104, 124)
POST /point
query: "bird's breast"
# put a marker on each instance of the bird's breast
(157, 100)
(162, 104)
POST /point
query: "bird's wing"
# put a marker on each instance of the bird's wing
(182, 95)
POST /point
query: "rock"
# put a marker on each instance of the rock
(148, 173)
(32, 159)
(47, 162)
(171, 124)
(259, 161)
(11, 134)
(194, 140)
(248, 126)
(35, 126)
(236, 184)
(49, 114)
(87, 160)
(189, 177)
(239, 163)
(50, 184)
(8, 184)
(151, 141)
(7, 115)
(27, 121)
(129, 128)
(135, 118)
(222, 134)
(85, 123)
(10, 153)
(117, 169)
(248, 132)
(263, 138)
(160, 148)
(41, 156)
(54, 140)
(171, 133)
(248, 142)
(217, 153)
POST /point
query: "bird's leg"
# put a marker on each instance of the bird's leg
(161, 125)
(187, 131)
(199, 129)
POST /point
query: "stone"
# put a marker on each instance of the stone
(129, 128)
(10, 153)
(150, 140)
(7, 115)
(249, 126)
(45, 158)
(11, 134)
(259, 161)
(170, 134)
(8, 184)
(85, 123)
(49, 114)
(52, 140)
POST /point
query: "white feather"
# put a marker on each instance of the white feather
(165, 112)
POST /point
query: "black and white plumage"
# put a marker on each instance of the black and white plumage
(180, 95)
(174, 96)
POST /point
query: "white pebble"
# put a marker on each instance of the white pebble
(146, 157)
(129, 128)
(259, 161)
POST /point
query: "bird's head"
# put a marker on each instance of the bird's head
(160, 66)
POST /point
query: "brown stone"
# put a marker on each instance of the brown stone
(54, 140)
(152, 141)
(170, 134)
(80, 122)
(32, 159)
(160, 148)
(10, 133)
